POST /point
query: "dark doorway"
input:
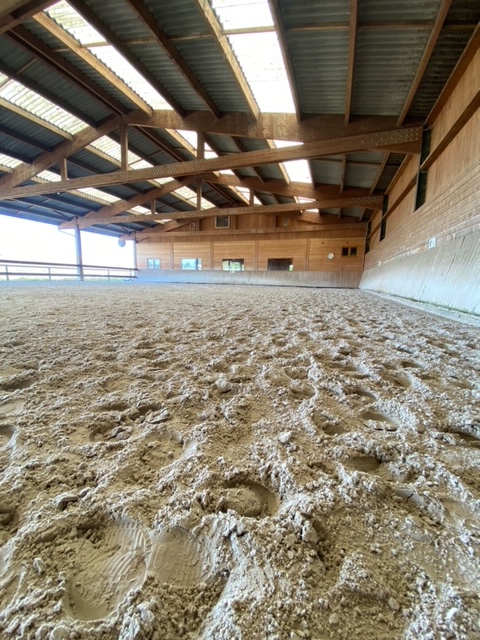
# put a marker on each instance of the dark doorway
(280, 264)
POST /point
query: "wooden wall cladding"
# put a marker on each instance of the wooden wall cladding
(307, 253)
(233, 251)
(452, 196)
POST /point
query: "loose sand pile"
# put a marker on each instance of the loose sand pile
(236, 463)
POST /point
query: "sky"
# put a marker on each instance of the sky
(41, 242)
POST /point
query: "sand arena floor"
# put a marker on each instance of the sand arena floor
(182, 462)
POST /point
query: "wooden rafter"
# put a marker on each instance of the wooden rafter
(13, 12)
(10, 106)
(274, 209)
(161, 38)
(270, 126)
(213, 25)
(287, 59)
(35, 46)
(112, 210)
(396, 140)
(91, 17)
(74, 46)
(432, 41)
(86, 136)
(29, 83)
(290, 190)
(352, 45)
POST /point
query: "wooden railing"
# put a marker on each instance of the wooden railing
(24, 269)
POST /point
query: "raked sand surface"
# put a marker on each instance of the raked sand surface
(201, 462)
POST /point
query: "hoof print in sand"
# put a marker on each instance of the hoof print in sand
(177, 558)
(11, 407)
(469, 434)
(362, 393)
(250, 500)
(6, 434)
(378, 421)
(110, 561)
(108, 432)
(398, 379)
(367, 464)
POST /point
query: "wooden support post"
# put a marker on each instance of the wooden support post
(200, 156)
(64, 169)
(78, 248)
(251, 198)
(153, 207)
(124, 147)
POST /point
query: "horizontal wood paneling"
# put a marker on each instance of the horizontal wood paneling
(234, 251)
(200, 250)
(162, 251)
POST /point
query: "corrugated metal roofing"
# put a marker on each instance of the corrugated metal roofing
(444, 57)
(326, 172)
(359, 175)
(386, 63)
(397, 11)
(317, 37)
(301, 14)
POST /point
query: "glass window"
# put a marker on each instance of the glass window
(233, 265)
(222, 222)
(153, 263)
(192, 264)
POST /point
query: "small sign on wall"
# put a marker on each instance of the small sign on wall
(432, 243)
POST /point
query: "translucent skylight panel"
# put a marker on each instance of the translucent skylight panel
(85, 34)
(99, 195)
(71, 21)
(245, 193)
(258, 54)
(139, 209)
(227, 172)
(49, 176)
(190, 136)
(243, 14)
(261, 59)
(17, 94)
(298, 171)
(124, 70)
(7, 161)
(185, 193)
(114, 150)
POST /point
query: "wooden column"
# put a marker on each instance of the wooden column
(78, 249)
(124, 147)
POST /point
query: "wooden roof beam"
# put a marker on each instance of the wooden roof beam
(268, 126)
(38, 48)
(13, 12)
(290, 190)
(112, 210)
(352, 44)
(432, 41)
(91, 17)
(157, 234)
(83, 138)
(215, 29)
(396, 140)
(274, 209)
(162, 39)
(75, 47)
